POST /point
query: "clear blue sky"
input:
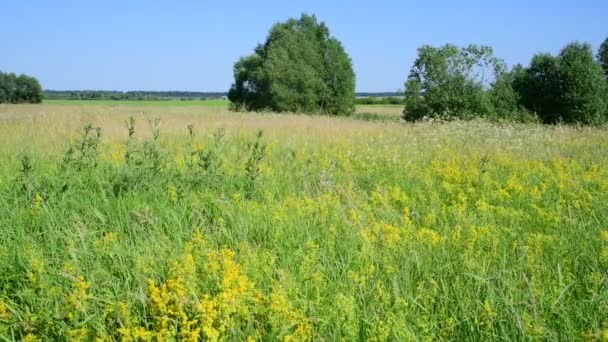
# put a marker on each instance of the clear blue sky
(192, 45)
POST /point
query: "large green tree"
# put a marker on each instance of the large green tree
(8, 86)
(569, 87)
(451, 82)
(19, 89)
(538, 87)
(583, 85)
(300, 68)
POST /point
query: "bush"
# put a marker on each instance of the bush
(300, 68)
(19, 89)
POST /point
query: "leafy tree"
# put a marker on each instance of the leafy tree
(8, 84)
(538, 87)
(506, 101)
(300, 68)
(583, 85)
(3, 91)
(19, 89)
(602, 56)
(28, 90)
(451, 82)
(566, 88)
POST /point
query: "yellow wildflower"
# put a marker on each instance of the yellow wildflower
(5, 314)
(37, 202)
(172, 193)
(107, 239)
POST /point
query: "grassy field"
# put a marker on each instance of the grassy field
(365, 112)
(198, 223)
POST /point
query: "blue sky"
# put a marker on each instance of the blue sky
(192, 45)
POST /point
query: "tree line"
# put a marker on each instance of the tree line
(138, 95)
(19, 89)
(302, 68)
(451, 82)
(143, 95)
(380, 100)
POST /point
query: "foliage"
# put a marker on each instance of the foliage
(372, 100)
(19, 89)
(506, 101)
(538, 86)
(602, 56)
(583, 92)
(300, 68)
(463, 83)
(450, 82)
(568, 88)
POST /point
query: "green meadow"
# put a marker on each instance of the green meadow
(163, 221)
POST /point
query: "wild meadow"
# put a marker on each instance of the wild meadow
(158, 223)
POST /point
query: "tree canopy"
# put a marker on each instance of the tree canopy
(569, 87)
(451, 82)
(299, 68)
(19, 89)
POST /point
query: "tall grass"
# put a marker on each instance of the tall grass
(197, 226)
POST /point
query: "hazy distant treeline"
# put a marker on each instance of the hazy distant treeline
(362, 98)
(372, 99)
(130, 95)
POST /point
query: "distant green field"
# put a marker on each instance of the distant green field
(170, 103)
(371, 112)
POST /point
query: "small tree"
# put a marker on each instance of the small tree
(300, 68)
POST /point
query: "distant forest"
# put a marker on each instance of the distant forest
(160, 95)
(130, 95)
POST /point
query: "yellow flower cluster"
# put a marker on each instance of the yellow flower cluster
(181, 308)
